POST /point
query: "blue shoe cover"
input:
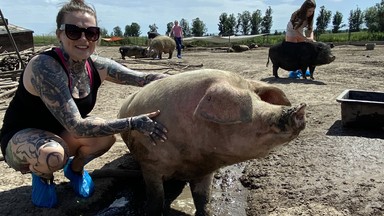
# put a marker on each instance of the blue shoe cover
(81, 184)
(294, 74)
(307, 73)
(43, 192)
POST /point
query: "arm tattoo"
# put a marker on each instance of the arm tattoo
(51, 83)
(118, 73)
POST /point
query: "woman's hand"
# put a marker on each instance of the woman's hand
(144, 124)
(152, 77)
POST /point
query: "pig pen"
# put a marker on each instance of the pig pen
(327, 170)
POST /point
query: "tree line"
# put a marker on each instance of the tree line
(247, 23)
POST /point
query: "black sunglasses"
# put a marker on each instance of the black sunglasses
(74, 32)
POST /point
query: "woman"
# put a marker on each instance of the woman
(177, 33)
(300, 19)
(46, 126)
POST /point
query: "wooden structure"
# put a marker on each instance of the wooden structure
(23, 38)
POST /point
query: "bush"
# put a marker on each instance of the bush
(266, 40)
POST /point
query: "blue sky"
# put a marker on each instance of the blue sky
(40, 15)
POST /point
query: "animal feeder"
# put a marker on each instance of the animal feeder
(364, 109)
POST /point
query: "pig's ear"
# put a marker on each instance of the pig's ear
(224, 104)
(269, 93)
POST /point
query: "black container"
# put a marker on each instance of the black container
(361, 108)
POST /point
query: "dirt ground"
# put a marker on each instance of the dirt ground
(327, 170)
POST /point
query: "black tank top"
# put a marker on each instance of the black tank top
(28, 111)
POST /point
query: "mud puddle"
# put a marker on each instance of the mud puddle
(229, 197)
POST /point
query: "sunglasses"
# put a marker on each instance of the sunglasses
(74, 32)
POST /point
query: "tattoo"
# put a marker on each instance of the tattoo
(51, 83)
(79, 80)
(28, 146)
(118, 73)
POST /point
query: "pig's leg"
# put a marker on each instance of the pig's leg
(304, 71)
(201, 193)
(312, 70)
(155, 193)
(275, 68)
(172, 188)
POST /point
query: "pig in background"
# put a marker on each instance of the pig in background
(294, 56)
(214, 118)
(162, 44)
(137, 51)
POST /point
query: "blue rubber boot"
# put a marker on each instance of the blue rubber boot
(43, 192)
(81, 184)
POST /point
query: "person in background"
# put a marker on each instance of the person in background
(300, 20)
(177, 33)
(46, 127)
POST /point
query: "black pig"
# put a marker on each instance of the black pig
(152, 35)
(294, 56)
(137, 51)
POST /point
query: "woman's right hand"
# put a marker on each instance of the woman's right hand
(144, 124)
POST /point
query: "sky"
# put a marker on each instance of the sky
(40, 15)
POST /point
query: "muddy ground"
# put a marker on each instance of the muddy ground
(327, 170)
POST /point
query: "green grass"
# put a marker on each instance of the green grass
(261, 41)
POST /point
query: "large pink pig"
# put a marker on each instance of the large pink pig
(214, 118)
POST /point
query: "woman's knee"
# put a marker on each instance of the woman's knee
(51, 157)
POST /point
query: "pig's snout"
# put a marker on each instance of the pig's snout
(293, 118)
(332, 58)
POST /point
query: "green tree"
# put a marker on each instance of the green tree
(135, 30)
(227, 24)
(371, 19)
(198, 27)
(256, 22)
(337, 22)
(132, 30)
(127, 31)
(117, 32)
(322, 20)
(169, 27)
(244, 23)
(185, 26)
(355, 20)
(153, 28)
(103, 32)
(374, 17)
(266, 23)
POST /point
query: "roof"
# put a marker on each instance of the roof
(13, 29)
(112, 39)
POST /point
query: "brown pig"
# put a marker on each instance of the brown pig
(214, 118)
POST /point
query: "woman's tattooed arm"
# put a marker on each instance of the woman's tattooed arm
(51, 83)
(117, 73)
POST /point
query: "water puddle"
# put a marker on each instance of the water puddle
(229, 197)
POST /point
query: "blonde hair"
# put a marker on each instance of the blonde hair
(72, 6)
